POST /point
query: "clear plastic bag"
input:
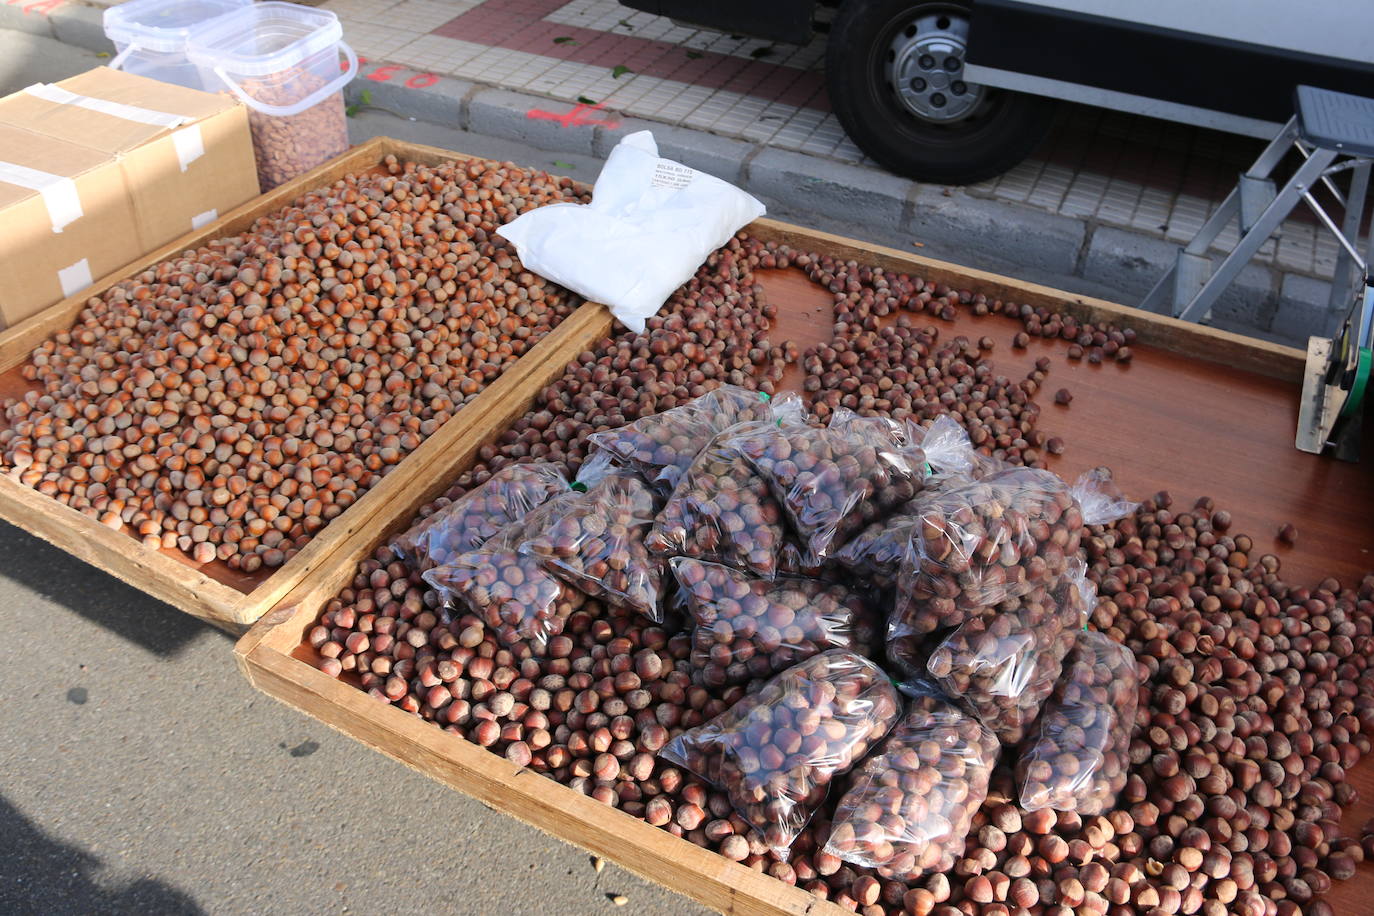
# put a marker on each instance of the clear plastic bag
(833, 481)
(1004, 665)
(747, 628)
(950, 456)
(1099, 498)
(722, 510)
(662, 446)
(775, 752)
(511, 592)
(597, 545)
(794, 561)
(478, 515)
(946, 445)
(982, 544)
(875, 554)
(910, 804)
(1077, 759)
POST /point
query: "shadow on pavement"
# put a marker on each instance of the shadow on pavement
(40, 875)
(36, 565)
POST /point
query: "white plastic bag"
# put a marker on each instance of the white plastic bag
(650, 225)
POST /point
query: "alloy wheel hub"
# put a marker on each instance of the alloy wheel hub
(926, 67)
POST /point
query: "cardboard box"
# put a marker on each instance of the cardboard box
(65, 219)
(129, 164)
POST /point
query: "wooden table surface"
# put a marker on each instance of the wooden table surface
(1193, 428)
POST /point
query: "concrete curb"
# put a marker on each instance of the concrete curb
(1077, 255)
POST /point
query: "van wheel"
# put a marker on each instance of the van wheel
(894, 71)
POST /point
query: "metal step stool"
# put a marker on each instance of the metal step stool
(1327, 127)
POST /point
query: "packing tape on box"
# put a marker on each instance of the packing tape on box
(189, 144)
(207, 216)
(75, 278)
(62, 96)
(59, 194)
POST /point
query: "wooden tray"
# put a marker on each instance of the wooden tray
(1188, 383)
(213, 591)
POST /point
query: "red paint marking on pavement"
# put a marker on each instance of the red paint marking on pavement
(41, 7)
(574, 118)
(387, 72)
(383, 73)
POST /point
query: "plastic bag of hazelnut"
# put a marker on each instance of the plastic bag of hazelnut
(775, 752)
(1076, 758)
(910, 655)
(662, 446)
(512, 592)
(1004, 665)
(795, 561)
(833, 481)
(597, 545)
(982, 544)
(909, 806)
(747, 628)
(468, 522)
(722, 510)
(875, 554)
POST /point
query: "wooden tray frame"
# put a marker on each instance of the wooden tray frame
(176, 579)
(268, 655)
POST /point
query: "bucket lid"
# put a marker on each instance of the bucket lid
(163, 25)
(265, 38)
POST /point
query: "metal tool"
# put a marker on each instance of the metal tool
(1331, 132)
(1336, 382)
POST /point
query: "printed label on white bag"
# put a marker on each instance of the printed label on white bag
(671, 175)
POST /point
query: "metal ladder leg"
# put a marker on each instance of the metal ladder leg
(1174, 288)
(1307, 174)
(1350, 228)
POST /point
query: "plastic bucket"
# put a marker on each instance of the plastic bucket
(151, 36)
(289, 65)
